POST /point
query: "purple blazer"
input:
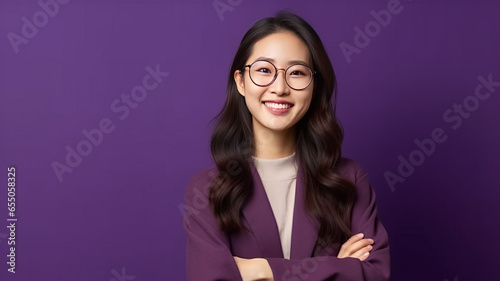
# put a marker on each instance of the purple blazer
(210, 252)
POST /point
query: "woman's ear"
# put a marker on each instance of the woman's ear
(240, 84)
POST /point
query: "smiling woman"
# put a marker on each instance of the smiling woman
(282, 202)
(275, 106)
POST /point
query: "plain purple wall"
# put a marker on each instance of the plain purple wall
(117, 214)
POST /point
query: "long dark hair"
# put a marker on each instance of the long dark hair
(329, 197)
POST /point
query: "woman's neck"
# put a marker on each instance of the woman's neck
(271, 144)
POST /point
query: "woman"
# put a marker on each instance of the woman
(281, 203)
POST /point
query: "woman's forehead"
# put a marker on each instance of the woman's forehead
(283, 48)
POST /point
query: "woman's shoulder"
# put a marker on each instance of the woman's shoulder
(347, 167)
(351, 169)
(199, 182)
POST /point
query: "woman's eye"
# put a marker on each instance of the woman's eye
(264, 70)
(297, 73)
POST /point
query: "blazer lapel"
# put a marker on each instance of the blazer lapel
(304, 229)
(260, 217)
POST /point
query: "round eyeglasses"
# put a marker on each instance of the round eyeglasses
(263, 73)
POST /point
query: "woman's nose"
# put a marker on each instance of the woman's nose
(279, 85)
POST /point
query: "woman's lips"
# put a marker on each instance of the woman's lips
(277, 107)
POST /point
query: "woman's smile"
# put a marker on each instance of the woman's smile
(278, 108)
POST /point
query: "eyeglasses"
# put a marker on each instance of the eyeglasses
(263, 73)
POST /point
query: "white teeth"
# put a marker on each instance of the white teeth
(277, 105)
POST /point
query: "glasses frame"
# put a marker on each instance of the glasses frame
(276, 74)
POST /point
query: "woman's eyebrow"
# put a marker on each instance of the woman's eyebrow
(291, 62)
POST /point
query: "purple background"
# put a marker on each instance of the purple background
(119, 209)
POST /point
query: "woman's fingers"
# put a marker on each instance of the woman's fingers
(347, 245)
(356, 247)
(362, 253)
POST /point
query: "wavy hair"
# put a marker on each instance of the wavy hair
(329, 197)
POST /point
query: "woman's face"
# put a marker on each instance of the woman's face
(283, 49)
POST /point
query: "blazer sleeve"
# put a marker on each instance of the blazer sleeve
(364, 219)
(208, 254)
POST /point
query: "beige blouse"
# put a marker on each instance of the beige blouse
(279, 178)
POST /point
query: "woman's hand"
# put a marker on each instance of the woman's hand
(254, 269)
(356, 247)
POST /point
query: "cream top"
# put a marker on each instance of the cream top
(279, 179)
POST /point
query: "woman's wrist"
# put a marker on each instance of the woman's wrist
(254, 269)
(264, 270)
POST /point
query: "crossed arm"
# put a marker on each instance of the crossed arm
(258, 269)
(361, 258)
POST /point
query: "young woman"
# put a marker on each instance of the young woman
(281, 203)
